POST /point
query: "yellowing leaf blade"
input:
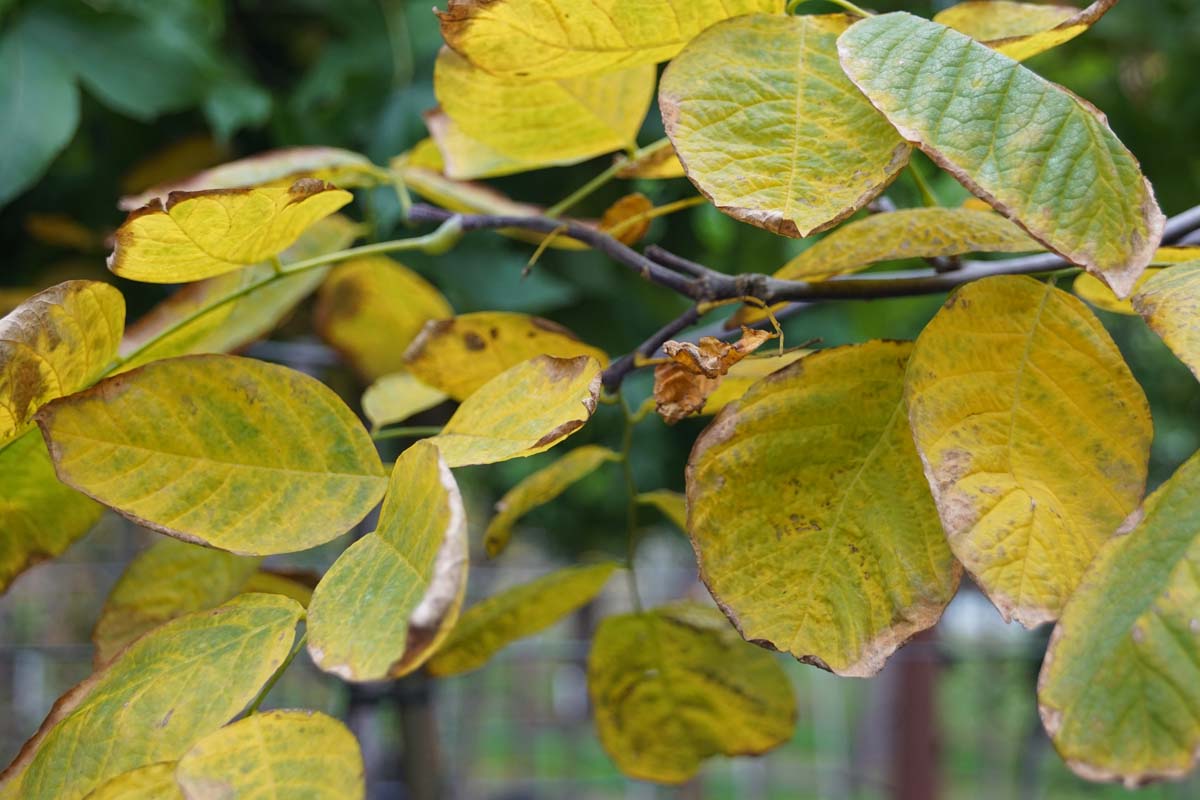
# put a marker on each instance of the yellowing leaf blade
(218, 449)
(1170, 304)
(152, 782)
(1038, 154)
(1034, 435)
(672, 505)
(396, 397)
(1021, 30)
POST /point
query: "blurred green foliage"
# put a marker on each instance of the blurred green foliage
(98, 95)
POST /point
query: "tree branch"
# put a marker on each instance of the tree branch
(618, 369)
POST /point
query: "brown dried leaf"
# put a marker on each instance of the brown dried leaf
(695, 370)
(626, 219)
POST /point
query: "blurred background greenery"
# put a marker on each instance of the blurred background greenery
(100, 98)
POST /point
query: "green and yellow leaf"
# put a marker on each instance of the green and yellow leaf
(769, 128)
(490, 626)
(1021, 30)
(1119, 692)
(459, 355)
(1034, 435)
(53, 344)
(540, 488)
(370, 308)
(1170, 304)
(1093, 290)
(396, 397)
(392, 597)
(277, 755)
(541, 123)
(571, 38)
(674, 686)
(152, 782)
(39, 516)
(219, 450)
(830, 548)
(671, 505)
(524, 410)
(196, 235)
(1037, 153)
(746, 373)
(171, 687)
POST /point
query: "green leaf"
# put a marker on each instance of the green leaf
(153, 782)
(461, 354)
(396, 397)
(172, 578)
(527, 38)
(371, 308)
(39, 108)
(391, 598)
(768, 127)
(248, 314)
(1119, 691)
(671, 505)
(544, 122)
(812, 525)
(490, 626)
(278, 755)
(196, 235)
(1022, 30)
(1034, 435)
(55, 343)
(524, 410)
(39, 516)
(673, 686)
(219, 450)
(1038, 154)
(171, 687)
(1170, 304)
(540, 488)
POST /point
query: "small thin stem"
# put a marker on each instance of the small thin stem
(270, 684)
(587, 189)
(853, 9)
(616, 371)
(413, 432)
(656, 212)
(631, 503)
(927, 195)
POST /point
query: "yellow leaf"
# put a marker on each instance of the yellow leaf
(170, 579)
(391, 598)
(672, 505)
(540, 488)
(296, 584)
(152, 782)
(195, 235)
(460, 355)
(1119, 691)
(544, 122)
(219, 450)
(490, 626)
(744, 374)
(462, 158)
(1170, 304)
(250, 315)
(657, 163)
(626, 220)
(811, 523)
(340, 167)
(1021, 30)
(370, 308)
(1166, 256)
(673, 686)
(1034, 435)
(55, 343)
(1041, 156)
(760, 113)
(172, 686)
(1093, 290)
(277, 755)
(524, 410)
(60, 230)
(528, 38)
(39, 516)
(396, 397)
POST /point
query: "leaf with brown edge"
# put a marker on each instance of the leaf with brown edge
(1038, 154)
(369, 309)
(830, 549)
(540, 488)
(219, 449)
(626, 220)
(287, 165)
(1022, 30)
(683, 384)
(524, 410)
(676, 685)
(388, 601)
(172, 686)
(196, 235)
(1034, 435)
(53, 344)
(1170, 304)
(459, 355)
